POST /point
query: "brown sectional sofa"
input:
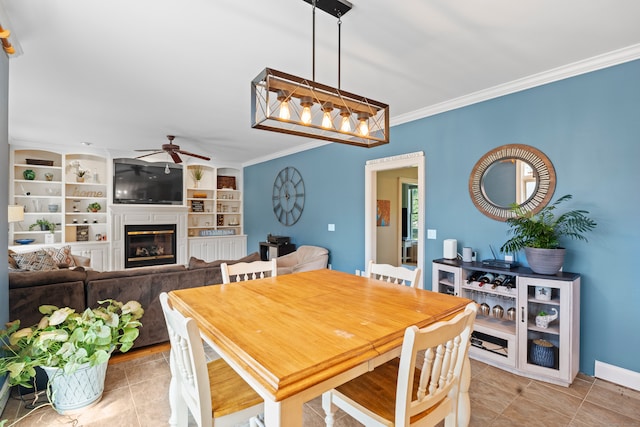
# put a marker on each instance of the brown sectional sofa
(80, 289)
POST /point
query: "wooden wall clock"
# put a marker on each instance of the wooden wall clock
(288, 196)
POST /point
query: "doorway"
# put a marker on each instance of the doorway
(372, 168)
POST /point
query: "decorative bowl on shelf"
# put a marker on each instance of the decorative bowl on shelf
(25, 241)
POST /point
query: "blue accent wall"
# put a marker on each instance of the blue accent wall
(589, 126)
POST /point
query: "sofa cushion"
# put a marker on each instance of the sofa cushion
(35, 261)
(61, 255)
(30, 279)
(195, 263)
(137, 271)
(146, 290)
(25, 297)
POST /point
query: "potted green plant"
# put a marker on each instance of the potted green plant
(539, 234)
(44, 225)
(71, 347)
(94, 207)
(80, 174)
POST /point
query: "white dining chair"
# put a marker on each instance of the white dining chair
(213, 392)
(392, 274)
(416, 389)
(242, 271)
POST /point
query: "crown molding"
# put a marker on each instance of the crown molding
(599, 62)
(609, 59)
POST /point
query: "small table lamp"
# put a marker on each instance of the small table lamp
(15, 213)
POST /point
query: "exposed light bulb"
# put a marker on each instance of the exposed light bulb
(285, 114)
(327, 123)
(305, 116)
(166, 169)
(345, 125)
(283, 97)
(363, 126)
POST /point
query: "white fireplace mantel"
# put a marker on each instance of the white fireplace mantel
(122, 215)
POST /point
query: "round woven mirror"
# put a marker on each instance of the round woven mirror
(509, 174)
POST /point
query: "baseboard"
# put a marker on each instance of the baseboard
(617, 375)
(5, 390)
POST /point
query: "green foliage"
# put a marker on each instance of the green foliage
(197, 172)
(44, 224)
(95, 206)
(66, 339)
(544, 229)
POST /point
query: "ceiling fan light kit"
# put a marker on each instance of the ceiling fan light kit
(281, 102)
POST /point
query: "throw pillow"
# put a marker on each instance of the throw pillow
(13, 265)
(34, 261)
(61, 255)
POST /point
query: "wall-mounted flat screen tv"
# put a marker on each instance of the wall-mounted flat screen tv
(146, 183)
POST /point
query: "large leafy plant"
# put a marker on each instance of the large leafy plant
(66, 339)
(544, 229)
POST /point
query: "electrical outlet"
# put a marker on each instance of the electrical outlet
(331, 227)
(431, 234)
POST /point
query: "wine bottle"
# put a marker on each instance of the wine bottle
(473, 277)
(486, 278)
(499, 279)
(509, 282)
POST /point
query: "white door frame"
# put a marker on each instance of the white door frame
(372, 167)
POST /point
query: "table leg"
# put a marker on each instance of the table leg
(286, 413)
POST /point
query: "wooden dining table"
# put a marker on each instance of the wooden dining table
(295, 336)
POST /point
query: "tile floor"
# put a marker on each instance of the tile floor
(136, 395)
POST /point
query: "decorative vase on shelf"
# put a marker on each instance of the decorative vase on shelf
(79, 178)
(29, 174)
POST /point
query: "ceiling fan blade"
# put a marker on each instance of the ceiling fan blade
(194, 155)
(175, 157)
(150, 154)
(148, 149)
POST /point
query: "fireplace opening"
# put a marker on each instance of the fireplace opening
(149, 245)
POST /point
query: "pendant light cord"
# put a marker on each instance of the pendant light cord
(339, 38)
(313, 41)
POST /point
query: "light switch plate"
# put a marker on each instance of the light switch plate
(331, 227)
(431, 234)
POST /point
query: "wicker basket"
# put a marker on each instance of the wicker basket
(542, 353)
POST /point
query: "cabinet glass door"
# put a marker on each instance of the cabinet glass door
(545, 319)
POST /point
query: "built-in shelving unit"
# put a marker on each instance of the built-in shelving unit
(215, 202)
(56, 194)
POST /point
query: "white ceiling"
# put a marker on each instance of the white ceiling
(122, 74)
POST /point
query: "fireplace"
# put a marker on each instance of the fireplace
(153, 244)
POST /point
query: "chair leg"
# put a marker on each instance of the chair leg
(179, 411)
(329, 409)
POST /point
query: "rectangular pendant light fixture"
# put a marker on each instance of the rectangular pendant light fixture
(282, 102)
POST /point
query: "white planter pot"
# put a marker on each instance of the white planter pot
(78, 390)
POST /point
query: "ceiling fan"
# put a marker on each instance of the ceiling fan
(173, 151)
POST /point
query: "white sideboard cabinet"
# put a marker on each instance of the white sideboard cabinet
(508, 331)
